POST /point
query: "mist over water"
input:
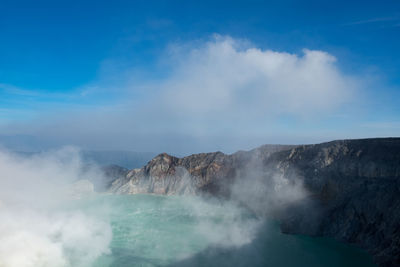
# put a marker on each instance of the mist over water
(36, 228)
(150, 230)
(51, 217)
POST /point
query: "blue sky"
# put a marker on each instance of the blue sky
(75, 63)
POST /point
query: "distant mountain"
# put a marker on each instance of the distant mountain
(20, 142)
(126, 159)
(27, 145)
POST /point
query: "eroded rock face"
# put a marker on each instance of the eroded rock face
(166, 174)
(210, 173)
(353, 187)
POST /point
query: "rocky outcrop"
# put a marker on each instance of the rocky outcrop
(210, 173)
(353, 187)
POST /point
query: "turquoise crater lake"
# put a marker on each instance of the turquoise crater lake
(151, 230)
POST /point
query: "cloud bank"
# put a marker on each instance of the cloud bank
(216, 90)
(229, 77)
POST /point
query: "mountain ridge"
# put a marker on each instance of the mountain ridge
(353, 187)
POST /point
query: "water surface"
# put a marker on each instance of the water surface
(150, 230)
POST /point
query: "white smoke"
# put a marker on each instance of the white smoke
(222, 223)
(29, 238)
(267, 193)
(257, 196)
(36, 227)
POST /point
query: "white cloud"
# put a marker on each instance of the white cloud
(231, 80)
(222, 87)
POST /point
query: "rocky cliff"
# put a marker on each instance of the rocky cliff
(355, 193)
(353, 187)
(210, 173)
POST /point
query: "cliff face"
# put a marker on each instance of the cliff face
(210, 173)
(353, 187)
(355, 192)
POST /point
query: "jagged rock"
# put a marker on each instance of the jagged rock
(199, 173)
